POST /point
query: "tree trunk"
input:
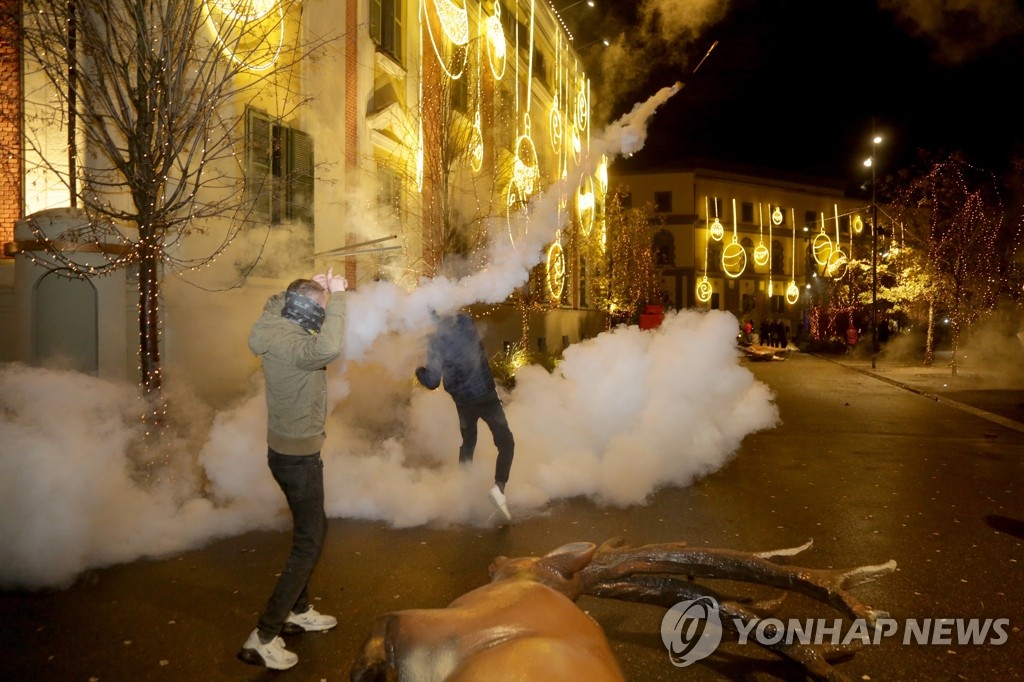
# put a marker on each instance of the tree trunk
(929, 344)
(149, 318)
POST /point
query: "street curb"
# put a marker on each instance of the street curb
(964, 407)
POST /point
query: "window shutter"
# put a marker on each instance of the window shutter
(258, 183)
(300, 177)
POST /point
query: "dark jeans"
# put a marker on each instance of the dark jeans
(493, 414)
(302, 481)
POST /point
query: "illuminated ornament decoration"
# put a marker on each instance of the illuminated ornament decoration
(734, 256)
(821, 247)
(556, 270)
(585, 205)
(837, 262)
(454, 21)
(249, 32)
(792, 291)
(496, 43)
(582, 105)
(576, 144)
(525, 171)
(858, 224)
(777, 216)
(761, 251)
(717, 230)
(601, 175)
(771, 288)
(555, 125)
(516, 205)
(704, 290)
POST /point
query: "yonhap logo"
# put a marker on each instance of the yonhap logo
(691, 630)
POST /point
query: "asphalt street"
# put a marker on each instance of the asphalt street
(900, 463)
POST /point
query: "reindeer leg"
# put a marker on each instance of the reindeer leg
(371, 665)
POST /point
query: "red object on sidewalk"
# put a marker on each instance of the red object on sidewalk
(652, 316)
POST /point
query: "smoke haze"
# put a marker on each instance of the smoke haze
(623, 414)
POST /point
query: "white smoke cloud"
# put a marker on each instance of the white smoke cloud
(623, 414)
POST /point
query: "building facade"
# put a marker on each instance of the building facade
(760, 244)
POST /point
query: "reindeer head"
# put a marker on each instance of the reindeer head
(557, 569)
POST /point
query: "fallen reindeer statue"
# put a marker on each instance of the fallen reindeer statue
(525, 625)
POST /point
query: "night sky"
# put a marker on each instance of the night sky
(796, 84)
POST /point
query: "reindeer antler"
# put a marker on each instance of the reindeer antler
(663, 575)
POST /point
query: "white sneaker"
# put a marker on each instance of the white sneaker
(271, 655)
(498, 498)
(310, 621)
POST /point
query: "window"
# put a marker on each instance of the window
(778, 258)
(664, 248)
(747, 212)
(810, 219)
(386, 26)
(663, 202)
(460, 94)
(389, 190)
(278, 170)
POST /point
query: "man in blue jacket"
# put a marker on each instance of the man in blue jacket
(300, 332)
(455, 355)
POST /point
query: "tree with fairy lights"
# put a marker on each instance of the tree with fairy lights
(149, 95)
(953, 214)
(626, 279)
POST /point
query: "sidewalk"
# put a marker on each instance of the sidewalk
(988, 391)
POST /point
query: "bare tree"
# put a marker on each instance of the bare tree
(628, 279)
(150, 92)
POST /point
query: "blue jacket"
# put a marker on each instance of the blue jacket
(455, 355)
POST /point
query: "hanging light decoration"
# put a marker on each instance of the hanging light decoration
(821, 246)
(454, 22)
(496, 43)
(734, 256)
(793, 291)
(837, 261)
(704, 289)
(249, 32)
(556, 268)
(761, 251)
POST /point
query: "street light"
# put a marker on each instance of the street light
(870, 162)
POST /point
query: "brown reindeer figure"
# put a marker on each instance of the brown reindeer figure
(523, 625)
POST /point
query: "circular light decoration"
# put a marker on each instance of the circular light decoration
(582, 106)
(792, 293)
(556, 270)
(576, 144)
(717, 230)
(601, 175)
(585, 205)
(821, 248)
(516, 205)
(761, 254)
(837, 264)
(555, 125)
(858, 224)
(476, 145)
(734, 259)
(704, 290)
(249, 32)
(454, 21)
(496, 43)
(777, 216)
(525, 171)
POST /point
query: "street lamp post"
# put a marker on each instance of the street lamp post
(875, 140)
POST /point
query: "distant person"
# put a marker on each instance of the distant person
(455, 355)
(299, 333)
(763, 333)
(851, 338)
(783, 335)
(883, 331)
(748, 329)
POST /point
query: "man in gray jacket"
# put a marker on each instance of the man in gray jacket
(297, 336)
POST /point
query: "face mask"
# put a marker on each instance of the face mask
(305, 311)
